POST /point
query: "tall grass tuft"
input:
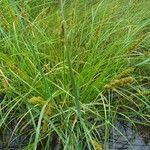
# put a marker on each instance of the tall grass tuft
(70, 69)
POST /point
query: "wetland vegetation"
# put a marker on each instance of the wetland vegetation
(71, 69)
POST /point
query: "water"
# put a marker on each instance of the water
(121, 139)
(126, 139)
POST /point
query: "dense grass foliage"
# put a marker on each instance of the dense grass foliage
(69, 69)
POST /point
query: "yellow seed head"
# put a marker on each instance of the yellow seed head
(45, 126)
(137, 43)
(48, 110)
(96, 145)
(119, 82)
(125, 73)
(108, 86)
(37, 100)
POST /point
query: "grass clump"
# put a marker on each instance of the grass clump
(66, 70)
